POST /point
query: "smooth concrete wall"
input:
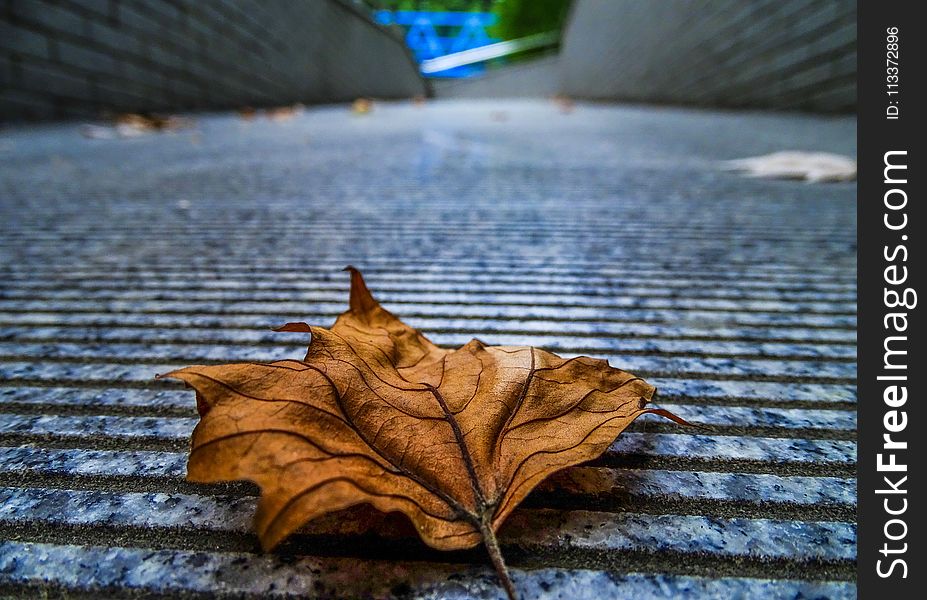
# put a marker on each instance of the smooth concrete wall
(789, 54)
(62, 58)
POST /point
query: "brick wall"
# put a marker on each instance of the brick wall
(790, 54)
(64, 58)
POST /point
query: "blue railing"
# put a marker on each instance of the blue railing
(427, 42)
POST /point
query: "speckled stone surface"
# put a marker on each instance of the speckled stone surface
(609, 231)
(559, 530)
(643, 364)
(754, 487)
(143, 373)
(240, 573)
(254, 328)
(553, 342)
(682, 445)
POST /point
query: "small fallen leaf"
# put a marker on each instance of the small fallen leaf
(131, 125)
(811, 166)
(362, 106)
(376, 413)
(564, 103)
(152, 122)
(284, 113)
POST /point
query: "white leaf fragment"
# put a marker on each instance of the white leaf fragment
(813, 167)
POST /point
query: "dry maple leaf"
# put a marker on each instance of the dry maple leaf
(378, 414)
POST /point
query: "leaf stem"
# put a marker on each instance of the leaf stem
(495, 554)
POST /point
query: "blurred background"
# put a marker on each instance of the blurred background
(177, 177)
(64, 58)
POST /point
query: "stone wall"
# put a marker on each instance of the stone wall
(790, 54)
(64, 58)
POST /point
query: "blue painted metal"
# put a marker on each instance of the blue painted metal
(427, 42)
(453, 19)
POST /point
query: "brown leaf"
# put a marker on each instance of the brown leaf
(284, 113)
(564, 103)
(362, 106)
(378, 414)
(130, 125)
(151, 122)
